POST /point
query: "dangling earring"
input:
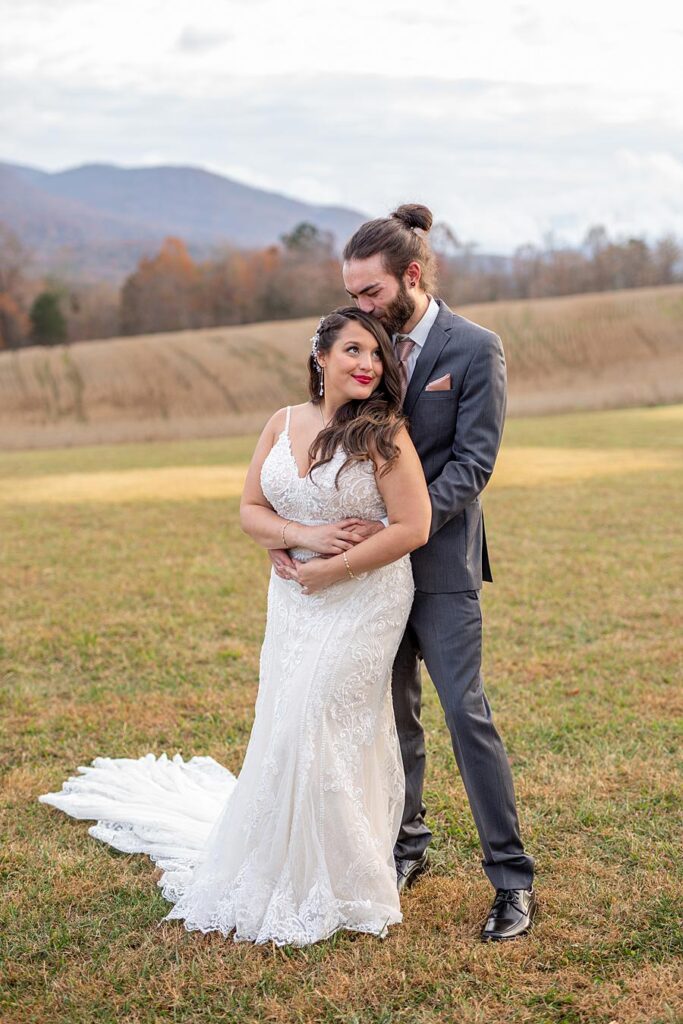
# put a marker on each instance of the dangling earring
(322, 374)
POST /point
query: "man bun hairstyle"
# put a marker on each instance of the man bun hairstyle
(401, 239)
(414, 215)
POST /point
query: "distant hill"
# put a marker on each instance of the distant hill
(581, 352)
(97, 220)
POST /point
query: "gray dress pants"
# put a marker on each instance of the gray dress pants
(445, 630)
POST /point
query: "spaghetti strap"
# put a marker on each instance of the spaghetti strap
(289, 409)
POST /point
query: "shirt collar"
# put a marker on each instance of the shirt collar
(424, 325)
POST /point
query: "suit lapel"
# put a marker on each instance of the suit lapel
(431, 350)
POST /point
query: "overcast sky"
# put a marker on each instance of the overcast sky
(509, 120)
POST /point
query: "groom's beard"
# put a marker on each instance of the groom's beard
(399, 311)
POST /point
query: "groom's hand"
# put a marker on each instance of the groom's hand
(365, 528)
(284, 564)
(362, 529)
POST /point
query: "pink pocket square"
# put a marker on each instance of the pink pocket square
(440, 384)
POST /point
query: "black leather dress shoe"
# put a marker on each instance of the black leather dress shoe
(510, 916)
(408, 871)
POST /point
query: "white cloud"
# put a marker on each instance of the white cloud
(197, 40)
(509, 119)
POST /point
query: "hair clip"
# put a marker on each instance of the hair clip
(316, 337)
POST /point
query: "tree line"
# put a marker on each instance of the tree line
(300, 276)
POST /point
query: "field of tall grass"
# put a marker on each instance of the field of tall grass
(580, 352)
(133, 613)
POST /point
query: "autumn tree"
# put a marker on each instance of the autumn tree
(163, 293)
(14, 260)
(301, 276)
(92, 310)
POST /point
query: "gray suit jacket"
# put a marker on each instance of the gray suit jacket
(457, 434)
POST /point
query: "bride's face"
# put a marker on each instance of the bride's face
(353, 366)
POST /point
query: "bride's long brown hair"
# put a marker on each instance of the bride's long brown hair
(360, 425)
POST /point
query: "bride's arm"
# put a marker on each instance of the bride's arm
(261, 522)
(409, 510)
(257, 516)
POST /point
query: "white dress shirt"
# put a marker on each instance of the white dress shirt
(419, 333)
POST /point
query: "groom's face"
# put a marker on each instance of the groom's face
(377, 292)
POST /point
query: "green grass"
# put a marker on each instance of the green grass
(137, 627)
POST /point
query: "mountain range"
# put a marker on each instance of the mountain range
(97, 220)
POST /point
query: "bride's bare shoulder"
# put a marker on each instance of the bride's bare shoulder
(401, 439)
(279, 417)
(278, 421)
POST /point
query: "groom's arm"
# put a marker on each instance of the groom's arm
(478, 433)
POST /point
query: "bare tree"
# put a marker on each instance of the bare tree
(15, 259)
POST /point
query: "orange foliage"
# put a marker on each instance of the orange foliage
(171, 292)
(163, 293)
(14, 323)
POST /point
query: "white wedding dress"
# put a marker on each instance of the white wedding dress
(301, 844)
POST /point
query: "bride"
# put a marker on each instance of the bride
(300, 845)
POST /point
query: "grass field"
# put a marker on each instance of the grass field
(133, 610)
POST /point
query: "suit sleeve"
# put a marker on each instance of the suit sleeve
(478, 433)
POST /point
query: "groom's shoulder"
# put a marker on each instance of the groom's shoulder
(467, 331)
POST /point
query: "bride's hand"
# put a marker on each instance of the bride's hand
(314, 575)
(331, 538)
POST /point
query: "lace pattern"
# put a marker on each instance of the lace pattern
(300, 845)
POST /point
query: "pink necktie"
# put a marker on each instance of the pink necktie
(403, 346)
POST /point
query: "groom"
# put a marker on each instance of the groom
(454, 381)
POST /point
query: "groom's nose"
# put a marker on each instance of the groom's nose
(365, 304)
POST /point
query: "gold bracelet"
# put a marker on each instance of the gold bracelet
(284, 527)
(348, 567)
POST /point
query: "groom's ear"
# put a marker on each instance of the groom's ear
(414, 273)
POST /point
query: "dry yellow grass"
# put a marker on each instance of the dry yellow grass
(578, 352)
(182, 483)
(520, 466)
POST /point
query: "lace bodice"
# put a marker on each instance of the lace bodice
(315, 499)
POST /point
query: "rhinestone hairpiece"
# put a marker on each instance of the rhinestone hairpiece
(316, 337)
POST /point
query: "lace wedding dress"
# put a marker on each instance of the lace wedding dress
(300, 845)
